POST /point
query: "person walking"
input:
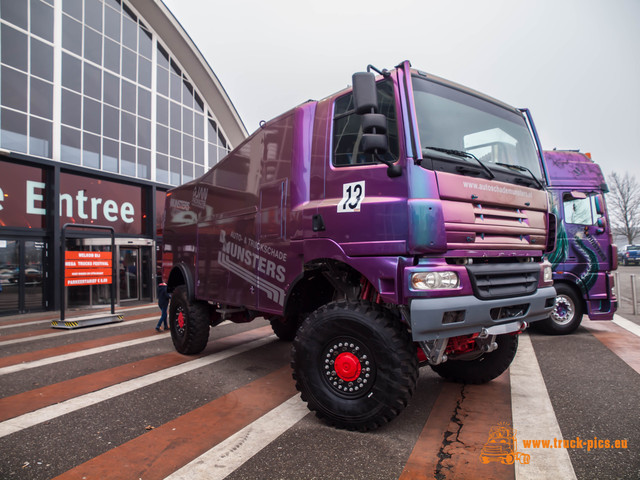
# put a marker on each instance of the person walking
(163, 303)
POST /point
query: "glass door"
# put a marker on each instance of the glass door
(129, 273)
(22, 275)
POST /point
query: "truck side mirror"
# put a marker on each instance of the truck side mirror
(365, 96)
(598, 204)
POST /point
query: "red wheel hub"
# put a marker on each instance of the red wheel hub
(347, 366)
(180, 320)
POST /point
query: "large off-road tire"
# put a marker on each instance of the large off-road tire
(483, 368)
(189, 322)
(354, 364)
(566, 315)
(284, 328)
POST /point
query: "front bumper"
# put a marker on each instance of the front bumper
(435, 318)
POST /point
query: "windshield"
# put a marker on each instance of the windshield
(455, 120)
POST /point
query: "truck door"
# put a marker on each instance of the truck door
(587, 236)
(363, 209)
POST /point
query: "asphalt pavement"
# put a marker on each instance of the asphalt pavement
(116, 401)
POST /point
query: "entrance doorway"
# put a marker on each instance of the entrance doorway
(22, 275)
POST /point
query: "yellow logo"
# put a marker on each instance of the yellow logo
(502, 446)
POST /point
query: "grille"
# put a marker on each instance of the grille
(492, 281)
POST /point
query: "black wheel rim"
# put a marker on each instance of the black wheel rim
(180, 321)
(347, 367)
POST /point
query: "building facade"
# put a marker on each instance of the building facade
(104, 105)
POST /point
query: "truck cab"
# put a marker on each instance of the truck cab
(585, 254)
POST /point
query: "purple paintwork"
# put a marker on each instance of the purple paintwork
(585, 253)
(247, 233)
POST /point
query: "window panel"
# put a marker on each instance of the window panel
(162, 81)
(91, 150)
(110, 155)
(144, 133)
(91, 115)
(70, 148)
(198, 125)
(41, 59)
(127, 160)
(71, 108)
(92, 46)
(130, 33)
(14, 47)
(128, 130)
(71, 72)
(14, 88)
(198, 154)
(112, 20)
(163, 57)
(73, 8)
(187, 120)
(162, 169)
(128, 96)
(92, 81)
(162, 139)
(144, 164)
(111, 122)
(42, 20)
(144, 71)
(93, 14)
(113, 3)
(198, 171)
(187, 172)
(187, 93)
(112, 55)
(111, 89)
(14, 12)
(213, 154)
(71, 35)
(162, 110)
(145, 42)
(175, 116)
(187, 147)
(13, 130)
(175, 143)
(40, 137)
(41, 98)
(144, 102)
(175, 170)
(176, 87)
(129, 64)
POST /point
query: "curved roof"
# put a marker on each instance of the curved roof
(160, 19)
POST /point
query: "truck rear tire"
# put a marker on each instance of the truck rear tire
(484, 368)
(354, 364)
(189, 322)
(566, 315)
(285, 329)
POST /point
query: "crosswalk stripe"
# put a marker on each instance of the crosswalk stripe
(627, 324)
(232, 453)
(19, 367)
(534, 418)
(48, 413)
(163, 450)
(32, 400)
(617, 339)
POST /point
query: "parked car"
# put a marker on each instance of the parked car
(630, 255)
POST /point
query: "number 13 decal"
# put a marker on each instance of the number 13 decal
(352, 196)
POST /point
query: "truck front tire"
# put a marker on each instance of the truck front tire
(354, 364)
(189, 323)
(483, 368)
(566, 315)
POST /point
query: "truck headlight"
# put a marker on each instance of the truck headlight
(434, 280)
(547, 273)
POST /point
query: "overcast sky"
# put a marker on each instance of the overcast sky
(574, 63)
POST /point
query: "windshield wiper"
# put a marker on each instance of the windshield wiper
(522, 169)
(460, 153)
